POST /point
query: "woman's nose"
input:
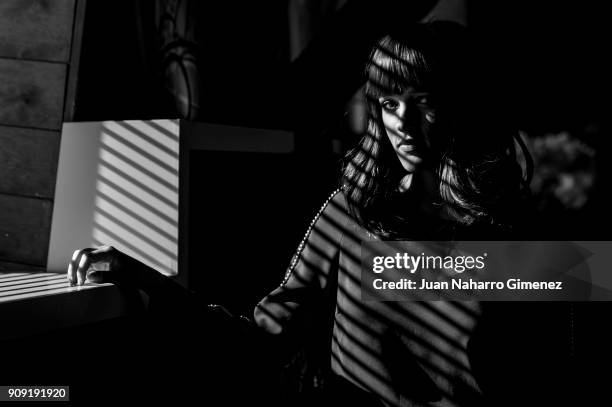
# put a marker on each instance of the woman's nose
(407, 119)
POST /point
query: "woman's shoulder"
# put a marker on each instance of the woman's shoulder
(336, 202)
(334, 206)
(334, 214)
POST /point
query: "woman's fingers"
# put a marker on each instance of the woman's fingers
(73, 266)
(100, 264)
(71, 270)
(83, 265)
(96, 277)
(83, 259)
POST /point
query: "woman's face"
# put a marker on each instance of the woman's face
(408, 118)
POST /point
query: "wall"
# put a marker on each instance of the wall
(39, 50)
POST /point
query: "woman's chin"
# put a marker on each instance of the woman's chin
(410, 164)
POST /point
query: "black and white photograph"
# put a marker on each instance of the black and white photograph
(377, 203)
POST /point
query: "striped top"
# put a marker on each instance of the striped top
(404, 353)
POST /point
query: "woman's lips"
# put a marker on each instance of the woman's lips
(406, 146)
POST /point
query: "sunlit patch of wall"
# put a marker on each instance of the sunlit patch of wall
(136, 203)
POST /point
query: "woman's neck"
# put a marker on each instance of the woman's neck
(423, 187)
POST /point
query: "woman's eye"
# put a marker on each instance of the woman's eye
(389, 105)
(424, 101)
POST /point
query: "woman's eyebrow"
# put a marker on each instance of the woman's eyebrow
(399, 96)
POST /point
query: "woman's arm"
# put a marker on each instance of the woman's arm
(106, 264)
(309, 276)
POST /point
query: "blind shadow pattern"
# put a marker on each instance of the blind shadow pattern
(19, 286)
(137, 195)
(398, 351)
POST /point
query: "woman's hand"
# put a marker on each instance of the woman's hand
(103, 264)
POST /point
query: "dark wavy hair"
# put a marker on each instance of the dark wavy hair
(473, 149)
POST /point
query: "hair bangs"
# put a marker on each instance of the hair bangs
(394, 67)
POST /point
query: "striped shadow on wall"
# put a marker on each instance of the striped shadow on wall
(117, 184)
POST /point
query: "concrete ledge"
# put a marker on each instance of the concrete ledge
(32, 303)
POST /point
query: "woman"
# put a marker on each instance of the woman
(430, 167)
(434, 164)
